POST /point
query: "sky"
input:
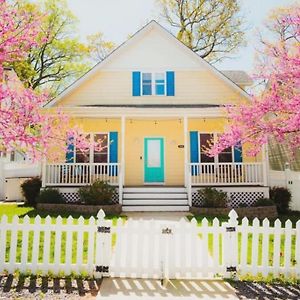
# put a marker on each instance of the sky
(119, 18)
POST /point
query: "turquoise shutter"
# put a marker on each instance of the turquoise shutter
(136, 84)
(194, 150)
(238, 153)
(70, 157)
(113, 151)
(170, 83)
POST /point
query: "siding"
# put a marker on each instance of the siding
(191, 87)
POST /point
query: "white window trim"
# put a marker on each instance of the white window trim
(216, 157)
(153, 83)
(92, 134)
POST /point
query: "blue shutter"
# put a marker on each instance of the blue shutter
(113, 151)
(70, 158)
(238, 153)
(194, 150)
(136, 83)
(170, 83)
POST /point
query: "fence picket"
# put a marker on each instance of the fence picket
(297, 250)
(24, 252)
(265, 247)
(46, 246)
(79, 249)
(3, 232)
(255, 237)
(276, 251)
(244, 245)
(36, 244)
(13, 244)
(287, 246)
(57, 245)
(69, 252)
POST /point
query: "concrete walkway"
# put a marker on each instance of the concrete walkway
(158, 216)
(117, 288)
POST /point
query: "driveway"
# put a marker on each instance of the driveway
(119, 288)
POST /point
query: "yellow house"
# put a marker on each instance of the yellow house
(155, 103)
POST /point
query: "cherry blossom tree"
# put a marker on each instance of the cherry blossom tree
(23, 125)
(275, 112)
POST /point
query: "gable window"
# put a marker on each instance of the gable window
(160, 84)
(98, 151)
(147, 84)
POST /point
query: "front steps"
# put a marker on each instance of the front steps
(155, 199)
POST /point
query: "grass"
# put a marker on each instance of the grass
(11, 210)
(293, 216)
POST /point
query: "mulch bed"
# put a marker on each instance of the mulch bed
(33, 287)
(262, 291)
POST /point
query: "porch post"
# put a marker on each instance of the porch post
(44, 164)
(185, 132)
(122, 166)
(265, 158)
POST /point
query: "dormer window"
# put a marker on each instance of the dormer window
(153, 83)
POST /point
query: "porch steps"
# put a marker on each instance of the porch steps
(155, 199)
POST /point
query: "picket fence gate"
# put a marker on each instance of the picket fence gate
(149, 249)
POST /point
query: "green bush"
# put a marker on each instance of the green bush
(50, 195)
(264, 202)
(99, 193)
(31, 189)
(242, 205)
(213, 198)
(282, 198)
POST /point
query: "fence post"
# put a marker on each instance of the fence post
(230, 245)
(103, 245)
(120, 178)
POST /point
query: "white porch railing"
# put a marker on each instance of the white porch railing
(202, 174)
(79, 174)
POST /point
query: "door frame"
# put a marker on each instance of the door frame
(164, 160)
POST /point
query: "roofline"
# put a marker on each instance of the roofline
(90, 72)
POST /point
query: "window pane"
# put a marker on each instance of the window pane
(101, 148)
(226, 155)
(159, 83)
(147, 83)
(100, 158)
(205, 139)
(83, 155)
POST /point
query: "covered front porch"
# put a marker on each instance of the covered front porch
(175, 155)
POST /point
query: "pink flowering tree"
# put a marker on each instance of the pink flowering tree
(275, 113)
(23, 125)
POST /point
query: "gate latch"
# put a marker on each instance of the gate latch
(102, 269)
(166, 231)
(230, 229)
(231, 269)
(103, 229)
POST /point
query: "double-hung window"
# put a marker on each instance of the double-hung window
(98, 151)
(153, 84)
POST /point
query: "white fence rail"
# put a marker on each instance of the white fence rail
(72, 174)
(149, 249)
(226, 174)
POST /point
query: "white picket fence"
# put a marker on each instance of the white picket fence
(149, 249)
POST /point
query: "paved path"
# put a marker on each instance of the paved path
(151, 289)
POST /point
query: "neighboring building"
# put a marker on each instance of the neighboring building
(155, 103)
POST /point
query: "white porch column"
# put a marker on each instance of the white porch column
(122, 166)
(44, 171)
(187, 176)
(185, 132)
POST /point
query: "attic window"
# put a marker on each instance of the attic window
(153, 84)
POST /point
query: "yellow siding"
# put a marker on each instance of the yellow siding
(192, 87)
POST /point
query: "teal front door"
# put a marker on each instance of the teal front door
(154, 160)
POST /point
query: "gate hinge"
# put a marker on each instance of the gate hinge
(230, 229)
(231, 269)
(103, 229)
(102, 269)
(166, 231)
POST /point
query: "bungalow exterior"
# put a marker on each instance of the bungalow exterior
(155, 103)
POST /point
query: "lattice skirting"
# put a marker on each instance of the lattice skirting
(71, 195)
(236, 196)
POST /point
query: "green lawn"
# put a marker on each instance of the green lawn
(13, 209)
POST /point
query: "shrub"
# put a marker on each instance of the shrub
(99, 193)
(282, 198)
(264, 202)
(213, 198)
(241, 205)
(31, 189)
(50, 195)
